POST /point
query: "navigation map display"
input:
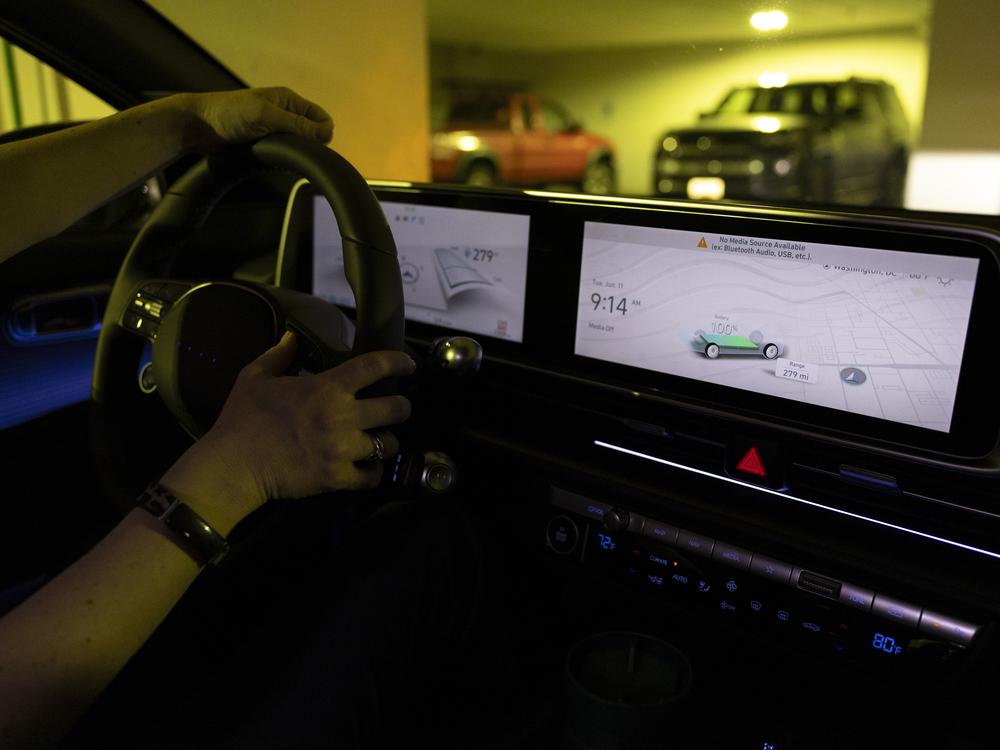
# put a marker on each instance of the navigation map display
(461, 269)
(872, 332)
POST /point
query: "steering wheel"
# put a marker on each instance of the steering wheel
(203, 334)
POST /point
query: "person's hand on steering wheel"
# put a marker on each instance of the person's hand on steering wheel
(249, 114)
(276, 436)
(291, 436)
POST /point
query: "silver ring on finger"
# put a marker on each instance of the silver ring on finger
(377, 454)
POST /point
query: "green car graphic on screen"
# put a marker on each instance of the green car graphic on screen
(714, 344)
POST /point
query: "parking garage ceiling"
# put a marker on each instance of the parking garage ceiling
(559, 25)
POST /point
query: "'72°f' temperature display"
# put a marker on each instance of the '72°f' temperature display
(873, 332)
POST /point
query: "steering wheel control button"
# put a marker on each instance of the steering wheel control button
(579, 504)
(756, 462)
(700, 545)
(131, 321)
(895, 610)
(857, 597)
(147, 383)
(659, 532)
(943, 626)
(616, 519)
(729, 555)
(773, 570)
(562, 535)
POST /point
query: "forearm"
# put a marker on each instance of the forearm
(48, 183)
(61, 647)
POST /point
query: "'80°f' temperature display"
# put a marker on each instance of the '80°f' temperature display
(874, 332)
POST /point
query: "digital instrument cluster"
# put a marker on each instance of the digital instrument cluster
(462, 269)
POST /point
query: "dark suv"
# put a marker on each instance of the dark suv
(844, 141)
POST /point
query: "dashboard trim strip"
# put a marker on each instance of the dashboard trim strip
(803, 501)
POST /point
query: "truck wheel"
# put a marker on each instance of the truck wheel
(712, 351)
(599, 177)
(481, 174)
(771, 351)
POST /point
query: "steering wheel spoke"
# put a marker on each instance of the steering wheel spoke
(149, 304)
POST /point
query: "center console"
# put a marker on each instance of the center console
(767, 437)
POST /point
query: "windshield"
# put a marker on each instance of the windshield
(800, 100)
(888, 104)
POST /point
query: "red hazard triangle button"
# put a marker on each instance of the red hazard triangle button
(702, 244)
(757, 462)
(751, 463)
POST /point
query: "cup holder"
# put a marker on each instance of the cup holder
(625, 692)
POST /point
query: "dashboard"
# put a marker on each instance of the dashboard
(778, 424)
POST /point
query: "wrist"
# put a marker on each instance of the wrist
(187, 123)
(214, 486)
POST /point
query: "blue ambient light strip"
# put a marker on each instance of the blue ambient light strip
(803, 501)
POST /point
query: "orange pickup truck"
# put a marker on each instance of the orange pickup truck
(519, 139)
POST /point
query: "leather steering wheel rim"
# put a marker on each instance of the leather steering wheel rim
(370, 263)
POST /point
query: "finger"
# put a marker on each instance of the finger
(359, 476)
(390, 444)
(363, 445)
(366, 369)
(278, 120)
(276, 360)
(366, 476)
(382, 411)
(287, 99)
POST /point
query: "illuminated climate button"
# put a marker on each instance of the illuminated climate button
(562, 535)
(857, 597)
(773, 570)
(947, 627)
(659, 532)
(734, 556)
(895, 610)
(700, 545)
(579, 504)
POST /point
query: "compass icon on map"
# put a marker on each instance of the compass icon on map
(853, 376)
(409, 272)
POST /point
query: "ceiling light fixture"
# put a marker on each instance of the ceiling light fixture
(769, 20)
(772, 80)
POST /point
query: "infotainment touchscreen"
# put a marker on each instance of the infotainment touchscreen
(872, 332)
(461, 269)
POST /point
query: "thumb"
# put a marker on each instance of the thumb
(276, 360)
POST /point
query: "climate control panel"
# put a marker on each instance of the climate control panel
(801, 607)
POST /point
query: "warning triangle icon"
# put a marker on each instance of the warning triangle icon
(751, 463)
(702, 243)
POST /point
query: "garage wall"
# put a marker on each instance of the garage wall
(957, 165)
(363, 60)
(633, 95)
